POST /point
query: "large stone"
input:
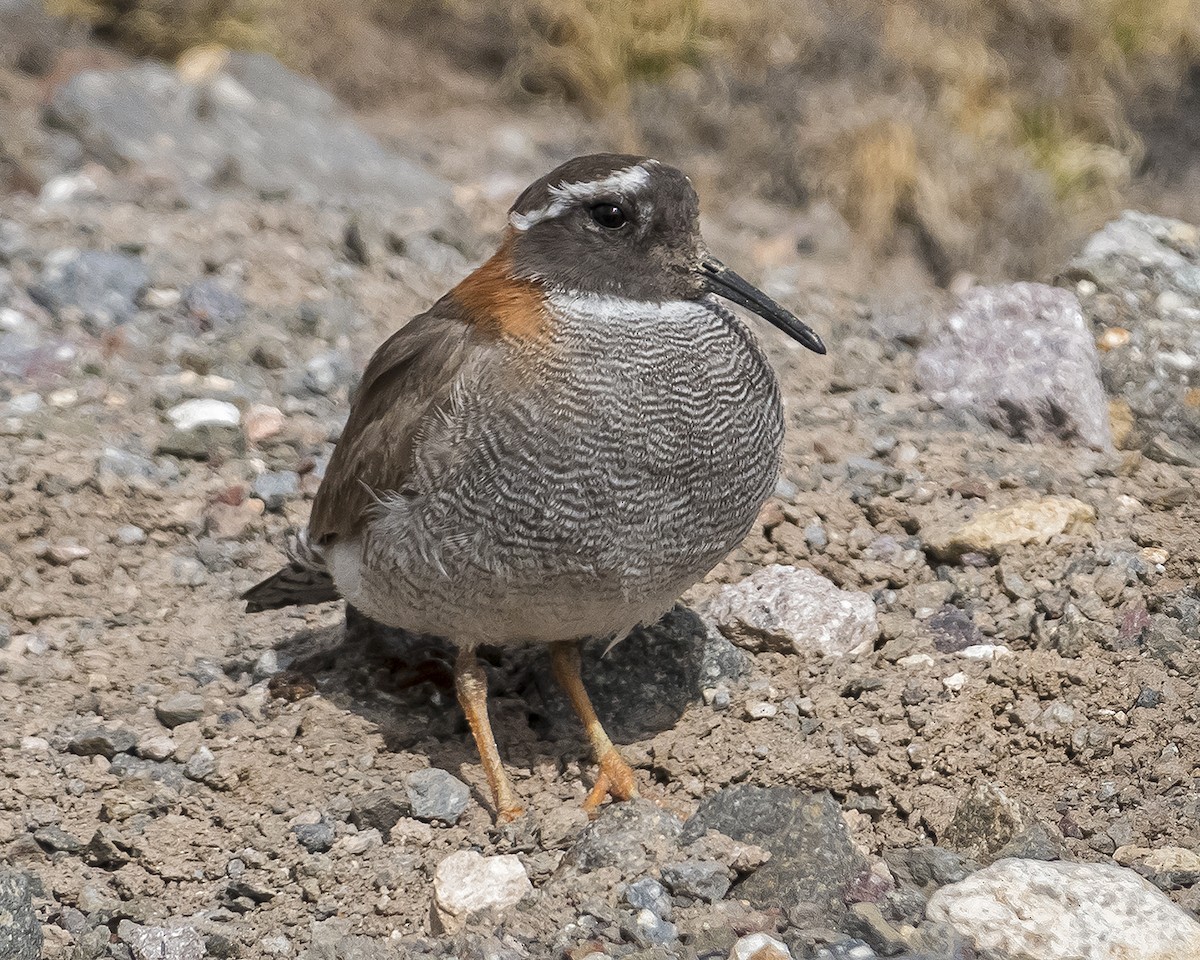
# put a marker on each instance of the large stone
(436, 795)
(813, 860)
(1138, 280)
(466, 883)
(103, 287)
(252, 123)
(20, 932)
(795, 610)
(994, 531)
(634, 836)
(1034, 910)
(1021, 358)
(162, 943)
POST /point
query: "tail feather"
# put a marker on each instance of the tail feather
(304, 580)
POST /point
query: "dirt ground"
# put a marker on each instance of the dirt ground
(1087, 719)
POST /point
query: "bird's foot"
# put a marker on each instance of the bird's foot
(615, 779)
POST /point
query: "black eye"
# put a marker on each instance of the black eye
(609, 216)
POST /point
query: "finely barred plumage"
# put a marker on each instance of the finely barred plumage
(586, 503)
(557, 448)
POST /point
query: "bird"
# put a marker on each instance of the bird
(556, 449)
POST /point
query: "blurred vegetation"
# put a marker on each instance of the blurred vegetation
(977, 126)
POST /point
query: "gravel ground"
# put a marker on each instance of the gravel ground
(1009, 668)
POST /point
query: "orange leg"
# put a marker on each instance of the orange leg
(470, 682)
(616, 777)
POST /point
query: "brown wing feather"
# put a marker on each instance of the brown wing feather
(411, 374)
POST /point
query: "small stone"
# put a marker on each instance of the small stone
(205, 412)
(64, 553)
(158, 748)
(314, 837)
(648, 894)
(162, 943)
(760, 710)
(188, 572)
(704, 880)
(646, 929)
(55, 838)
(992, 532)
(379, 809)
(436, 795)
(276, 946)
(795, 610)
(202, 765)
(1057, 910)
(179, 708)
(275, 487)
(359, 843)
(210, 303)
(466, 882)
(263, 422)
(99, 741)
(759, 946)
(129, 535)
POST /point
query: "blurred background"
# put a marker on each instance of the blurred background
(977, 137)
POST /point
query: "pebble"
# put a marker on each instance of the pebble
(955, 682)
(759, 946)
(1058, 910)
(157, 748)
(64, 553)
(97, 741)
(315, 837)
(211, 303)
(129, 535)
(704, 880)
(179, 708)
(103, 286)
(262, 422)
(161, 943)
(436, 795)
(275, 487)
(466, 882)
(787, 609)
(647, 929)
(188, 572)
(204, 412)
(760, 710)
(993, 531)
(648, 894)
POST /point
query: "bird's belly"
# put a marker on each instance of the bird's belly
(583, 512)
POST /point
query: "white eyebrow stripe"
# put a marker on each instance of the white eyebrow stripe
(622, 182)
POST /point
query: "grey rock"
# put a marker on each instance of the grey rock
(985, 822)
(379, 810)
(269, 663)
(812, 860)
(201, 765)
(107, 849)
(436, 795)
(275, 487)
(14, 241)
(20, 931)
(254, 124)
(634, 836)
(188, 572)
(179, 708)
(124, 464)
(325, 372)
(646, 929)
(101, 741)
(315, 837)
(704, 880)
(55, 838)
(648, 894)
(927, 867)
(1142, 276)
(129, 535)
(849, 949)
(1020, 357)
(104, 287)
(161, 943)
(795, 610)
(205, 442)
(647, 680)
(331, 940)
(210, 303)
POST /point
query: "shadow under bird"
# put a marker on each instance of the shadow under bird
(558, 447)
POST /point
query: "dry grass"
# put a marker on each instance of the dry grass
(980, 126)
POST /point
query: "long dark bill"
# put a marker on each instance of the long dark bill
(722, 281)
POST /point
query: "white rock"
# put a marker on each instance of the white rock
(795, 610)
(985, 651)
(955, 682)
(759, 946)
(467, 882)
(204, 412)
(1036, 910)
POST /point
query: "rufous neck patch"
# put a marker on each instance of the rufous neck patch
(501, 304)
